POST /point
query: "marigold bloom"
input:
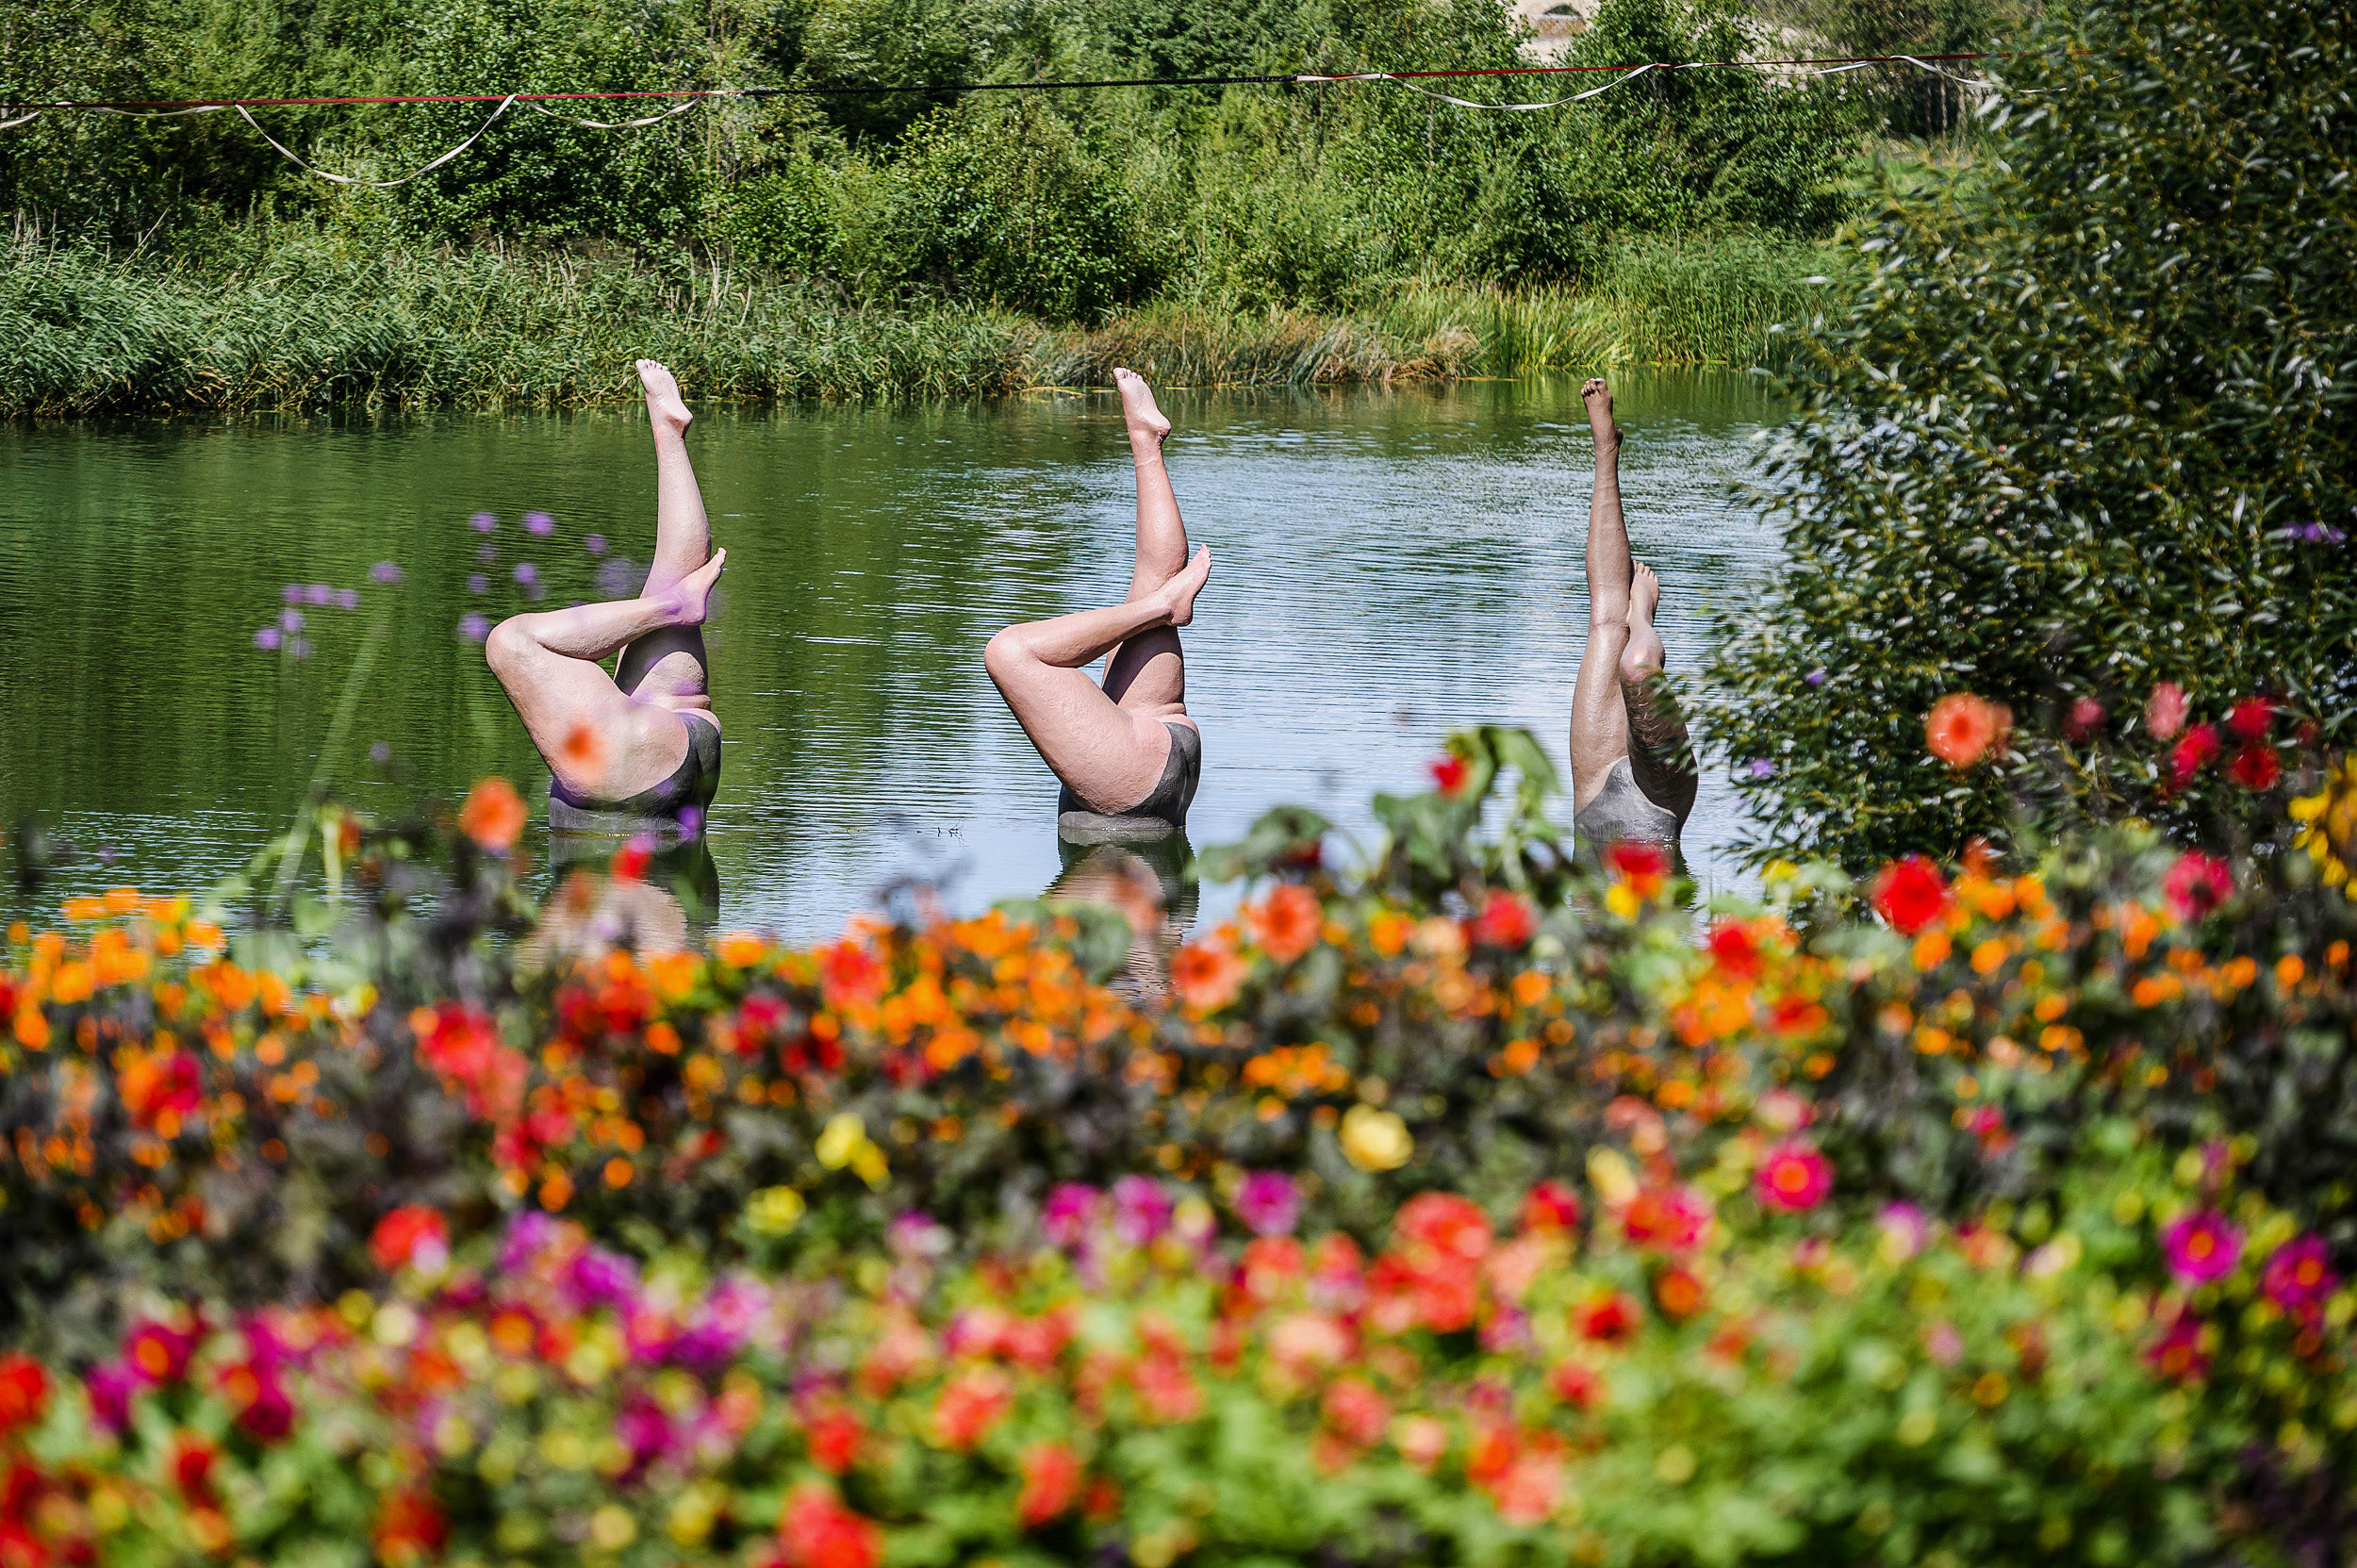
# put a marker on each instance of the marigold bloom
(1910, 894)
(1793, 1177)
(2202, 1247)
(2165, 710)
(1051, 1483)
(1961, 729)
(2299, 1278)
(1286, 923)
(493, 815)
(1733, 950)
(1206, 977)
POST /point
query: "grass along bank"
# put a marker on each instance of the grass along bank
(315, 324)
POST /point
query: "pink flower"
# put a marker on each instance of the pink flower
(1141, 1209)
(2202, 1247)
(1904, 1229)
(1794, 1177)
(2165, 710)
(2299, 1274)
(2087, 716)
(1269, 1203)
(2178, 1355)
(2196, 885)
(1065, 1216)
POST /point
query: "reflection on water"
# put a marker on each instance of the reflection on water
(1390, 563)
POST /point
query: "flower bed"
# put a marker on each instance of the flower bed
(1465, 1206)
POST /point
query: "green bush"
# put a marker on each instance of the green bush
(2089, 430)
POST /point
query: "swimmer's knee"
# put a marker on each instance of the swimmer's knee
(676, 674)
(508, 645)
(1006, 651)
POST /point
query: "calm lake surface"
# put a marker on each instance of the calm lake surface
(1389, 563)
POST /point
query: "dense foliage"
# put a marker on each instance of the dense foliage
(2085, 441)
(2005, 1210)
(1063, 205)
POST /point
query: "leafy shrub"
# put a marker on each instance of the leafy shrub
(2081, 436)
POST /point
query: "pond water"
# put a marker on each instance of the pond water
(1391, 563)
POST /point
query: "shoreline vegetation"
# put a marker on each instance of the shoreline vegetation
(323, 323)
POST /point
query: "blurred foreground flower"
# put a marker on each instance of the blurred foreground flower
(2328, 825)
(493, 815)
(1376, 1140)
(1962, 729)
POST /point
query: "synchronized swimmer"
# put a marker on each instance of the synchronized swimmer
(639, 751)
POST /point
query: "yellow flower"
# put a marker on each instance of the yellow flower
(1376, 1140)
(844, 1138)
(2328, 822)
(774, 1211)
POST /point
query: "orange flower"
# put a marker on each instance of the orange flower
(1051, 1483)
(493, 815)
(1962, 729)
(1206, 977)
(1286, 922)
(586, 749)
(1678, 1293)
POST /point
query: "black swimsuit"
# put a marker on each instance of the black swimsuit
(1162, 812)
(662, 809)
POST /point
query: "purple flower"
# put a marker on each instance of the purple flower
(538, 523)
(473, 627)
(527, 573)
(1816, 677)
(291, 619)
(2299, 1274)
(2202, 1247)
(602, 1279)
(1269, 1203)
(477, 583)
(487, 554)
(384, 571)
(291, 594)
(1064, 1219)
(110, 1386)
(2315, 533)
(595, 544)
(691, 821)
(1141, 1209)
(1760, 768)
(482, 522)
(266, 639)
(319, 593)
(347, 599)
(526, 1239)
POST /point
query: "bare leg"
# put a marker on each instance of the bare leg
(1110, 754)
(1149, 671)
(597, 739)
(669, 666)
(1599, 716)
(1656, 731)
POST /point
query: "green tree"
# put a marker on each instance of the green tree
(2090, 430)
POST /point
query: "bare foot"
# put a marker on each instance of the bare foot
(1641, 659)
(694, 591)
(1179, 593)
(663, 403)
(1598, 397)
(1148, 422)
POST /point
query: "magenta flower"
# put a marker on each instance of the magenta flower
(320, 593)
(526, 1239)
(594, 543)
(482, 522)
(527, 573)
(347, 599)
(290, 594)
(1793, 1177)
(2202, 1247)
(110, 1386)
(2197, 884)
(384, 571)
(2299, 1274)
(1064, 1219)
(2178, 1355)
(266, 639)
(291, 619)
(538, 523)
(478, 583)
(1269, 1203)
(473, 627)
(1141, 1209)
(602, 1279)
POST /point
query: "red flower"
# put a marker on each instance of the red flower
(1356, 1412)
(1576, 1384)
(1051, 1483)
(192, 1462)
(1551, 1206)
(970, 1406)
(1733, 950)
(2196, 885)
(1794, 1177)
(269, 1414)
(1668, 1218)
(24, 1392)
(2085, 718)
(1644, 867)
(1961, 729)
(411, 1527)
(834, 1438)
(2252, 719)
(1448, 773)
(850, 975)
(2190, 756)
(1910, 895)
(815, 1530)
(1608, 1317)
(410, 1234)
(1505, 921)
(1446, 1224)
(2255, 768)
(631, 860)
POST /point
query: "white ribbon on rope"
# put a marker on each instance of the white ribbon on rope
(1468, 103)
(374, 184)
(19, 119)
(626, 125)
